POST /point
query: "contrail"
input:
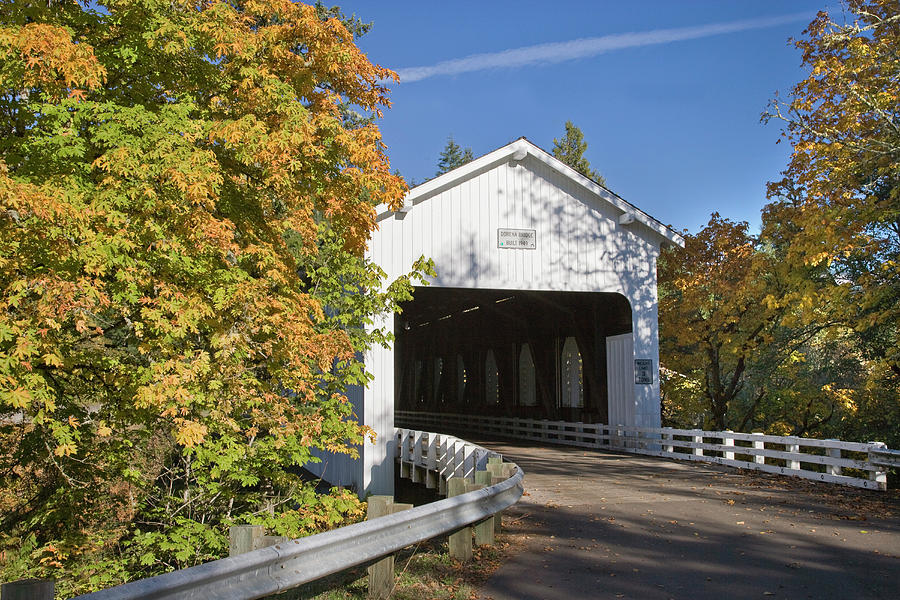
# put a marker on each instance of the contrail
(556, 52)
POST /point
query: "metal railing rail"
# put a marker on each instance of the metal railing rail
(279, 568)
(820, 460)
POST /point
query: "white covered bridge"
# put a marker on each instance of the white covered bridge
(544, 304)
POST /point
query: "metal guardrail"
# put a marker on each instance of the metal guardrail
(855, 464)
(282, 567)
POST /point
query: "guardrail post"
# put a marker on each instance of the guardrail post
(484, 531)
(498, 472)
(879, 476)
(28, 589)
(728, 441)
(381, 574)
(759, 445)
(247, 538)
(460, 542)
(243, 539)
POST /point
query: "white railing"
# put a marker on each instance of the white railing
(443, 461)
(834, 461)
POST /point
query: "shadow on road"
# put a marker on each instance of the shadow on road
(607, 525)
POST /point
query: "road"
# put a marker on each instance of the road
(599, 524)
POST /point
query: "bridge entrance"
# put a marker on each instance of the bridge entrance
(530, 354)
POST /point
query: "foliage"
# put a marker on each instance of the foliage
(186, 197)
(841, 190)
(712, 318)
(834, 217)
(796, 331)
(571, 149)
(453, 156)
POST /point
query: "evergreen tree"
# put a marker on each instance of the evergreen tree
(570, 150)
(453, 156)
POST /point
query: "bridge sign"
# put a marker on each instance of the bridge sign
(643, 371)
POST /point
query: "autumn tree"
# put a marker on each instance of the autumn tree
(184, 203)
(570, 150)
(736, 355)
(837, 208)
(724, 335)
(452, 156)
(712, 318)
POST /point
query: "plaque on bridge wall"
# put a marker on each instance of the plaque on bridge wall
(643, 371)
(517, 238)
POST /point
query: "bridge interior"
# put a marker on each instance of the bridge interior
(531, 354)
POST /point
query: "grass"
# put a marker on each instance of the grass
(425, 571)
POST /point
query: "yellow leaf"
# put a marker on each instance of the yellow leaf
(52, 360)
(190, 433)
(65, 449)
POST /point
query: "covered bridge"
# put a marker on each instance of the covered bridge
(543, 305)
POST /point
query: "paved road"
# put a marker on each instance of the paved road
(606, 525)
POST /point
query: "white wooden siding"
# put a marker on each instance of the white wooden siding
(620, 379)
(580, 246)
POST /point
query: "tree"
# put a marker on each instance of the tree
(734, 354)
(724, 334)
(712, 318)
(184, 203)
(571, 149)
(453, 156)
(837, 208)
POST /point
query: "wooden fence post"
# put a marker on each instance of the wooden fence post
(698, 439)
(833, 453)
(728, 441)
(668, 436)
(880, 476)
(417, 472)
(443, 465)
(791, 463)
(759, 445)
(461, 541)
(28, 589)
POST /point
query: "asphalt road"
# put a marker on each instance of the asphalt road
(606, 525)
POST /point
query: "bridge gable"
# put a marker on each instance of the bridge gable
(518, 218)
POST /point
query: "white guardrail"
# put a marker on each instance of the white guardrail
(427, 457)
(834, 461)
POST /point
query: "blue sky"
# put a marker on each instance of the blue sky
(671, 114)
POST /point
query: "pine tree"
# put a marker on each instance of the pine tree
(453, 156)
(570, 150)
